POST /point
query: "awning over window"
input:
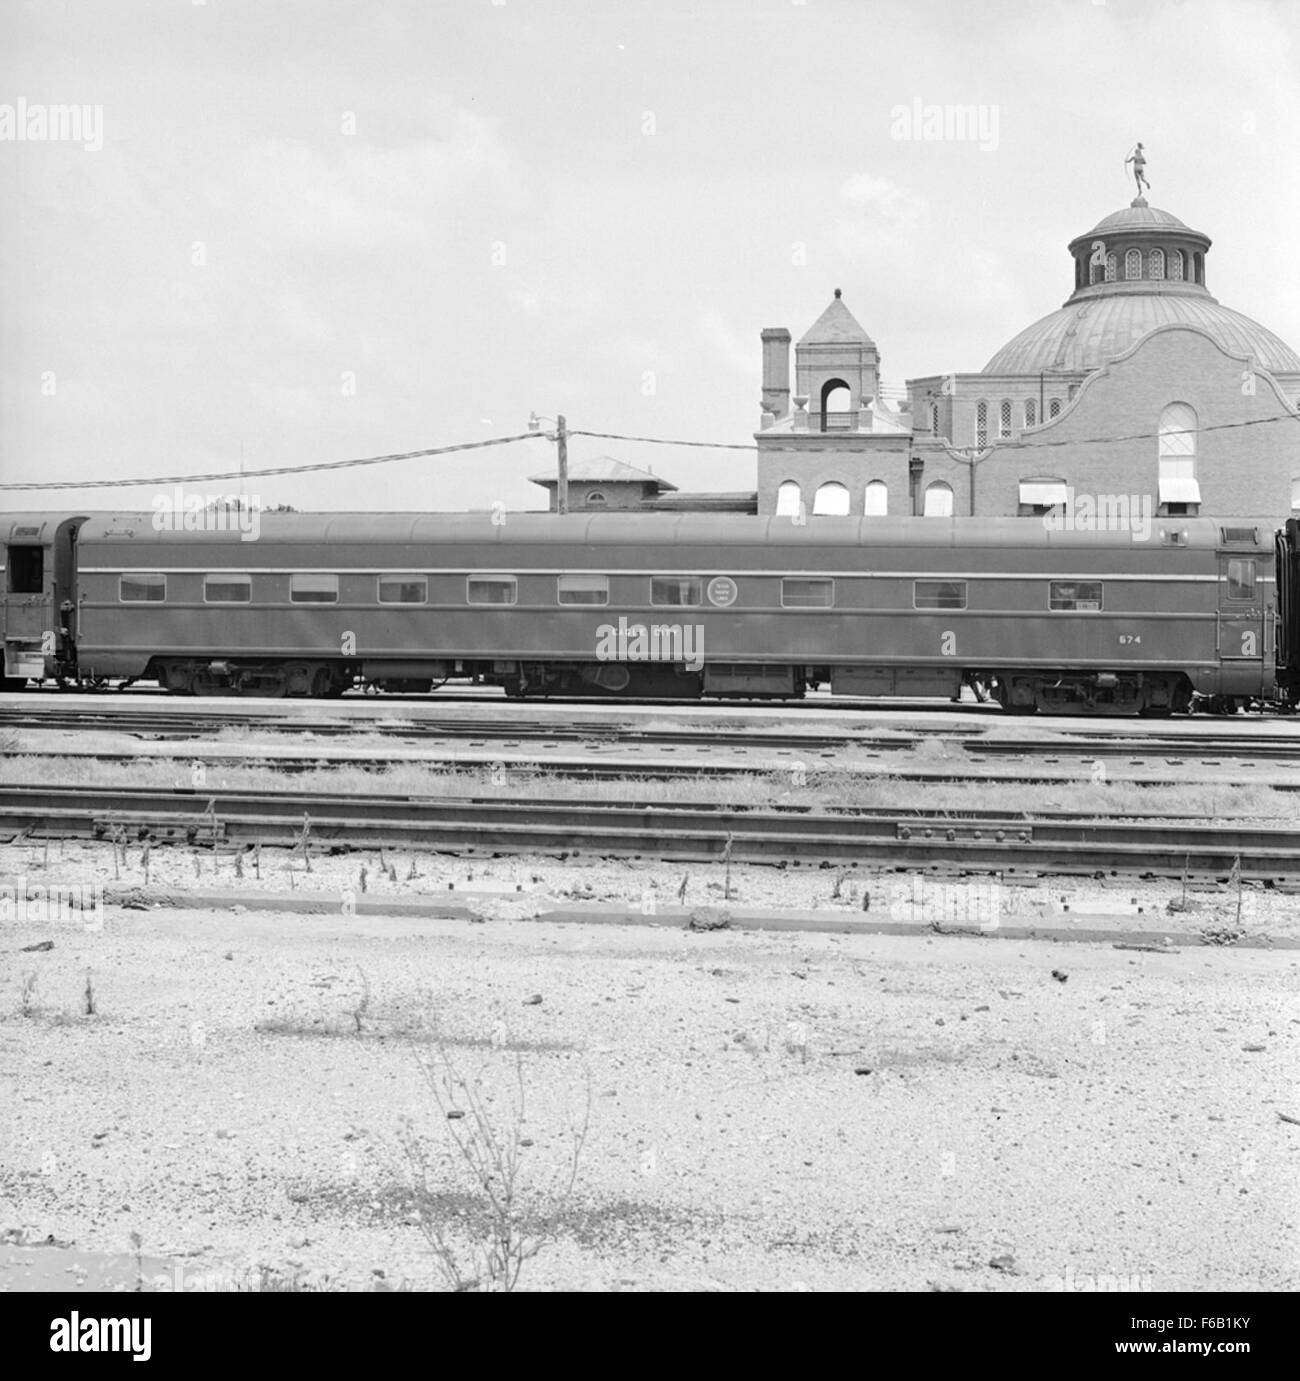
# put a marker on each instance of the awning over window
(1180, 490)
(1042, 492)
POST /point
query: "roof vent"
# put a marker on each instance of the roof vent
(1245, 536)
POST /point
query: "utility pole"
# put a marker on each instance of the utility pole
(562, 447)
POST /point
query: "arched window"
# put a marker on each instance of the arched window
(1198, 263)
(877, 500)
(1004, 418)
(1110, 267)
(1054, 408)
(981, 425)
(1031, 412)
(1095, 272)
(1177, 261)
(938, 500)
(832, 500)
(1177, 455)
(1133, 264)
(934, 419)
(789, 499)
(596, 499)
(1178, 434)
(1156, 264)
(837, 401)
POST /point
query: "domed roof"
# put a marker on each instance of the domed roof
(1084, 334)
(1139, 216)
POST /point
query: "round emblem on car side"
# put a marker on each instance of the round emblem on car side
(722, 591)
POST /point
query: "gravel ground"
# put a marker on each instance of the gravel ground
(526, 885)
(767, 1111)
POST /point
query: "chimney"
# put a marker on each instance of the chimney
(776, 371)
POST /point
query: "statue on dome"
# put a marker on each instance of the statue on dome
(1138, 159)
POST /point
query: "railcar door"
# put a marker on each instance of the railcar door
(28, 601)
(1241, 622)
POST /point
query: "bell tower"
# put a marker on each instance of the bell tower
(837, 369)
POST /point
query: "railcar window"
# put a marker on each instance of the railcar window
(939, 594)
(1241, 580)
(1081, 595)
(1248, 535)
(403, 589)
(26, 570)
(141, 589)
(227, 589)
(312, 587)
(807, 594)
(492, 589)
(676, 589)
(582, 589)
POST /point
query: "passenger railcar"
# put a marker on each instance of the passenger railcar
(659, 604)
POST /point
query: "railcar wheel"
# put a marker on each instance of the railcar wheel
(322, 683)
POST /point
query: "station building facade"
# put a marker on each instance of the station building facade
(1141, 384)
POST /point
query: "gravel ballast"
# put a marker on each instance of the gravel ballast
(767, 1110)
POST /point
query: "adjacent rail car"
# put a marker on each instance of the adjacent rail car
(691, 605)
(38, 596)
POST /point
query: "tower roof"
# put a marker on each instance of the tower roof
(605, 470)
(836, 326)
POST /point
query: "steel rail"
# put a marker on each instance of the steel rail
(619, 769)
(182, 726)
(1086, 846)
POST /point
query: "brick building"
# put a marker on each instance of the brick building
(1142, 383)
(605, 483)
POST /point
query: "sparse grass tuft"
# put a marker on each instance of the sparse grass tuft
(513, 1211)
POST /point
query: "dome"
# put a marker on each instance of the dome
(1083, 335)
(1138, 217)
(1136, 270)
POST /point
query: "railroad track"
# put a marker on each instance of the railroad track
(1033, 772)
(506, 731)
(981, 843)
(185, 725)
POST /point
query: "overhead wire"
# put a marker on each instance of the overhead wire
(317, 467)
(313, 468)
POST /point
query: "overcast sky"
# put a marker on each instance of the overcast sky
(326, 229)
